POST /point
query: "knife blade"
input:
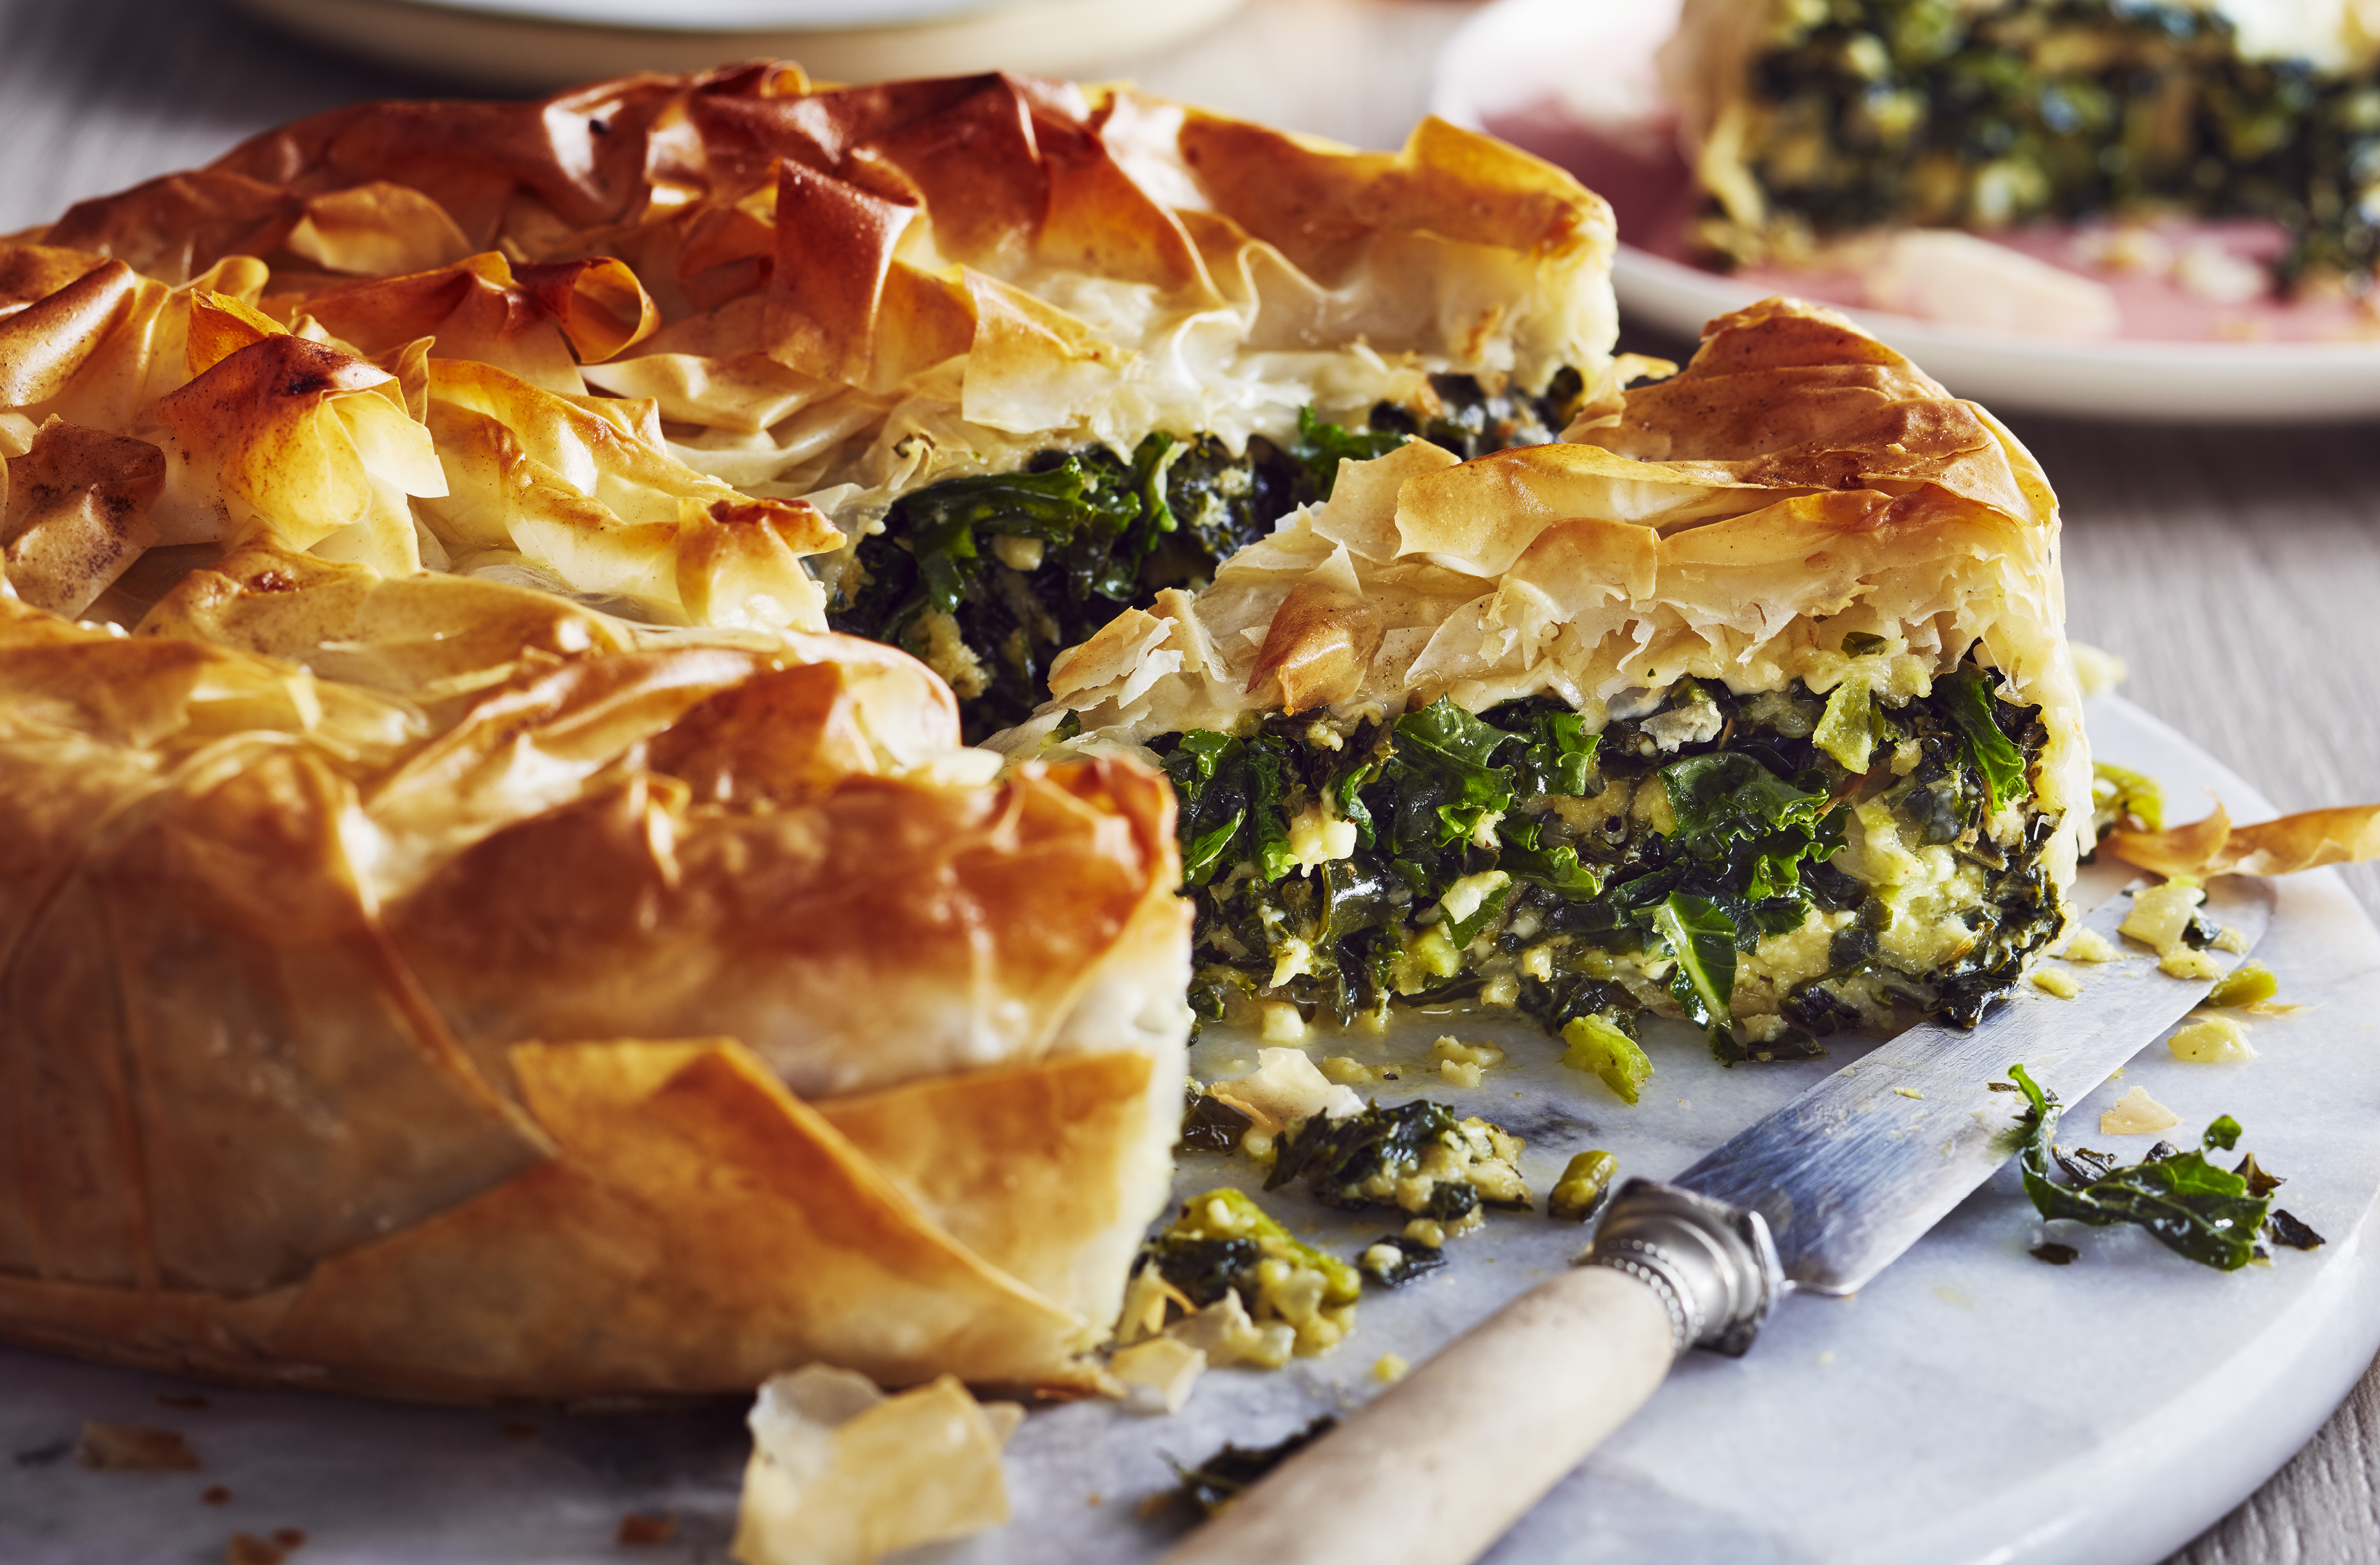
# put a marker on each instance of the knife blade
(1821, 1194)
(1855, 1170)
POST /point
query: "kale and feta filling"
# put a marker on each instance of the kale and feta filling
(1775, 866)
(988, 578)
(1248, 1290)
(1417, 1157)
(1951, 114)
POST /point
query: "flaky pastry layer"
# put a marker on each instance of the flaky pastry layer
(314, 886)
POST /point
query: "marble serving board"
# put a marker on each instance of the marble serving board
(1971, 1404)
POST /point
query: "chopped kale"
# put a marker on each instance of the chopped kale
(1205, 1270)
(1702, 940)
(2286, 1229)
(1224, 1476)
(1209, 1124)
(1976, 711)
(1412, 1259)
(2188, 1204)
(1322, 446)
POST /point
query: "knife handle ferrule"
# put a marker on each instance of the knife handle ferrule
(1713, 1266)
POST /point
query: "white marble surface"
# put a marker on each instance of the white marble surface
(1973, 1403)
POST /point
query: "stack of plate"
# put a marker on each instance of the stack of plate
(537, 44)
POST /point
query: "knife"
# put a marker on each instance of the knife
(1820, 1196)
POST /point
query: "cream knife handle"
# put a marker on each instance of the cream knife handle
(1433, 1472)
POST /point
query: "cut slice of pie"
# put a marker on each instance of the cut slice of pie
(1753, 705)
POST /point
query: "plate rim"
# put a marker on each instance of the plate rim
(2133, 379)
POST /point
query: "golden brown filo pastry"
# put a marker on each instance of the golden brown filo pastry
(1752, 701)
(428, 986)
(857, 294)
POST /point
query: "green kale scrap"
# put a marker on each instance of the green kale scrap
(2211, 1215)
(1213, 1484)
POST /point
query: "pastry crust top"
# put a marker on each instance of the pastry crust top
(843, 294)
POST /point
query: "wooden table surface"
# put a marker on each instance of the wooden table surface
(2239, 570)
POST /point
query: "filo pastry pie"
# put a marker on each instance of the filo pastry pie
(432, 986)
(1034, 349)
(1752, 703)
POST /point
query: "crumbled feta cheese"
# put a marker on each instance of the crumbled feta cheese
(2136, 1113)
(1487, 1056)
(2188, 964)
(1464, 898)
(1457, 1074)
(1157, 1374)
(1426, 1230)
(1017, 553)
(1295, 959)
(1389, 1368)
(2160, 914)
(1537, 962)
(1282, 1023)
(1693, 723)
(1432, 953)
(1316, 840)
(947, 653)
(2087, 945)
(2229, 939)
(2065, 985)
(2212, 1040)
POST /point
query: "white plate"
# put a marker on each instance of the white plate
(1515, 56)
(535, 45)
(1971, 1405)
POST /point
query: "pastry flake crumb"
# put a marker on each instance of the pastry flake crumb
(1158, 1374)
(2136, 1113)
(641, 1529)
(842, 1473)
(2049, 981)
(1389, 1368)
(133, 1448)
(2187, 964)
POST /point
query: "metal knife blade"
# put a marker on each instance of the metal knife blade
(1854, 1171)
